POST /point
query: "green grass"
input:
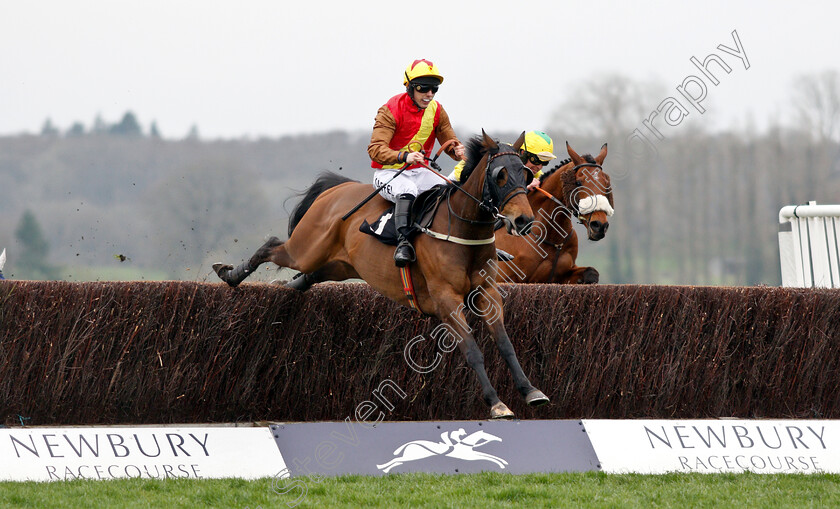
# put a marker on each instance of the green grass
(458, 491)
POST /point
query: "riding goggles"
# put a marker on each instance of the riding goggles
(533, 158)
(425, 88)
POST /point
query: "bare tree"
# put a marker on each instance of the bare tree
(608, 107)
(816, 98)
(198, 207)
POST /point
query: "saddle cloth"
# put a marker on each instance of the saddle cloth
(422, 211)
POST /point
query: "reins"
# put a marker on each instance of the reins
(485, 205)
(575, 208)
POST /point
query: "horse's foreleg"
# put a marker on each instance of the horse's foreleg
(487, 304)
(449, 310)
(235, 275)
(580, 276)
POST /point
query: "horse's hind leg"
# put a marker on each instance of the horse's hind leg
(271, 250)
(333, 271)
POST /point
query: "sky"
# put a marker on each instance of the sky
(268, 68)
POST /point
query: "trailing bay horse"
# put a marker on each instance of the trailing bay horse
(577, 187)
(452, 270)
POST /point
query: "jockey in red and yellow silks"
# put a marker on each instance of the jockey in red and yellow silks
(412, 125)
(405, 121)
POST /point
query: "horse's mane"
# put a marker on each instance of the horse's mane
(474, 151)
(586, 157)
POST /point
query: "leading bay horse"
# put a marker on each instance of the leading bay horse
(575, 188)
(448, 273)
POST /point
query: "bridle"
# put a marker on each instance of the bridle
(491, 193)
(496, 192)
(575, 206)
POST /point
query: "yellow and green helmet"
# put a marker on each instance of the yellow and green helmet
(539, 144)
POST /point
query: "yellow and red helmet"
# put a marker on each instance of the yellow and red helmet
(422, 69)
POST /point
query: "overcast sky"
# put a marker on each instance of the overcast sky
(273, 67)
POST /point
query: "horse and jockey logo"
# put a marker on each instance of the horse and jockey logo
(455, 444)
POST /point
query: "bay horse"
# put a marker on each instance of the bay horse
(449, 273)
(576, 187)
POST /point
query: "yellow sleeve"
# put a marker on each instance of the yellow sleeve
(458, 168)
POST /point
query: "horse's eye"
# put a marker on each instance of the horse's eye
(578, 183)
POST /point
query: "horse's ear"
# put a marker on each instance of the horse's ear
(601, 155)
(518, 144)
(574, 155)
(489, 143)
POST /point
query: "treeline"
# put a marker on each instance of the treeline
(165, 206)
(127, 126)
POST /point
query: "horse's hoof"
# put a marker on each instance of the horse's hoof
(221, 269)
(590, 277)
(536, 398)
(500, 411)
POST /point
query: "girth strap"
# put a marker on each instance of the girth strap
(458, 240)
(408, 287)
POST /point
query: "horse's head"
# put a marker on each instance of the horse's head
(505, 178)
(588, 191)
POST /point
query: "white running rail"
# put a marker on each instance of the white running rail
(809, 245)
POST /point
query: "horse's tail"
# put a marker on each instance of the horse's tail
(325, 180)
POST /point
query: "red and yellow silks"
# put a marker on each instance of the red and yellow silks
(414, 126)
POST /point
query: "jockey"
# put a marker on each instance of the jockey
(406, 122)
(536, 152)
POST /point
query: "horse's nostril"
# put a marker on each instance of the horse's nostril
(523, 224)
(596, 225)
(606, 225)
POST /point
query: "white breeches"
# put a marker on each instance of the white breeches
(411, 182)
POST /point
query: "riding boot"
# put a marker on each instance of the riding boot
(402, 221)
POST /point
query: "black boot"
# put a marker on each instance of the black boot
(402, 221)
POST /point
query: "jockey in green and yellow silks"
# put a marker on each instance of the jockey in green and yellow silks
(537, 151)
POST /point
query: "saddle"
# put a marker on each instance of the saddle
(422, 212)
(424, 207)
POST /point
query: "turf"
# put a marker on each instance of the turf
(426, 490)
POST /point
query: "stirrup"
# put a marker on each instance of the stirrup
(404, 254)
